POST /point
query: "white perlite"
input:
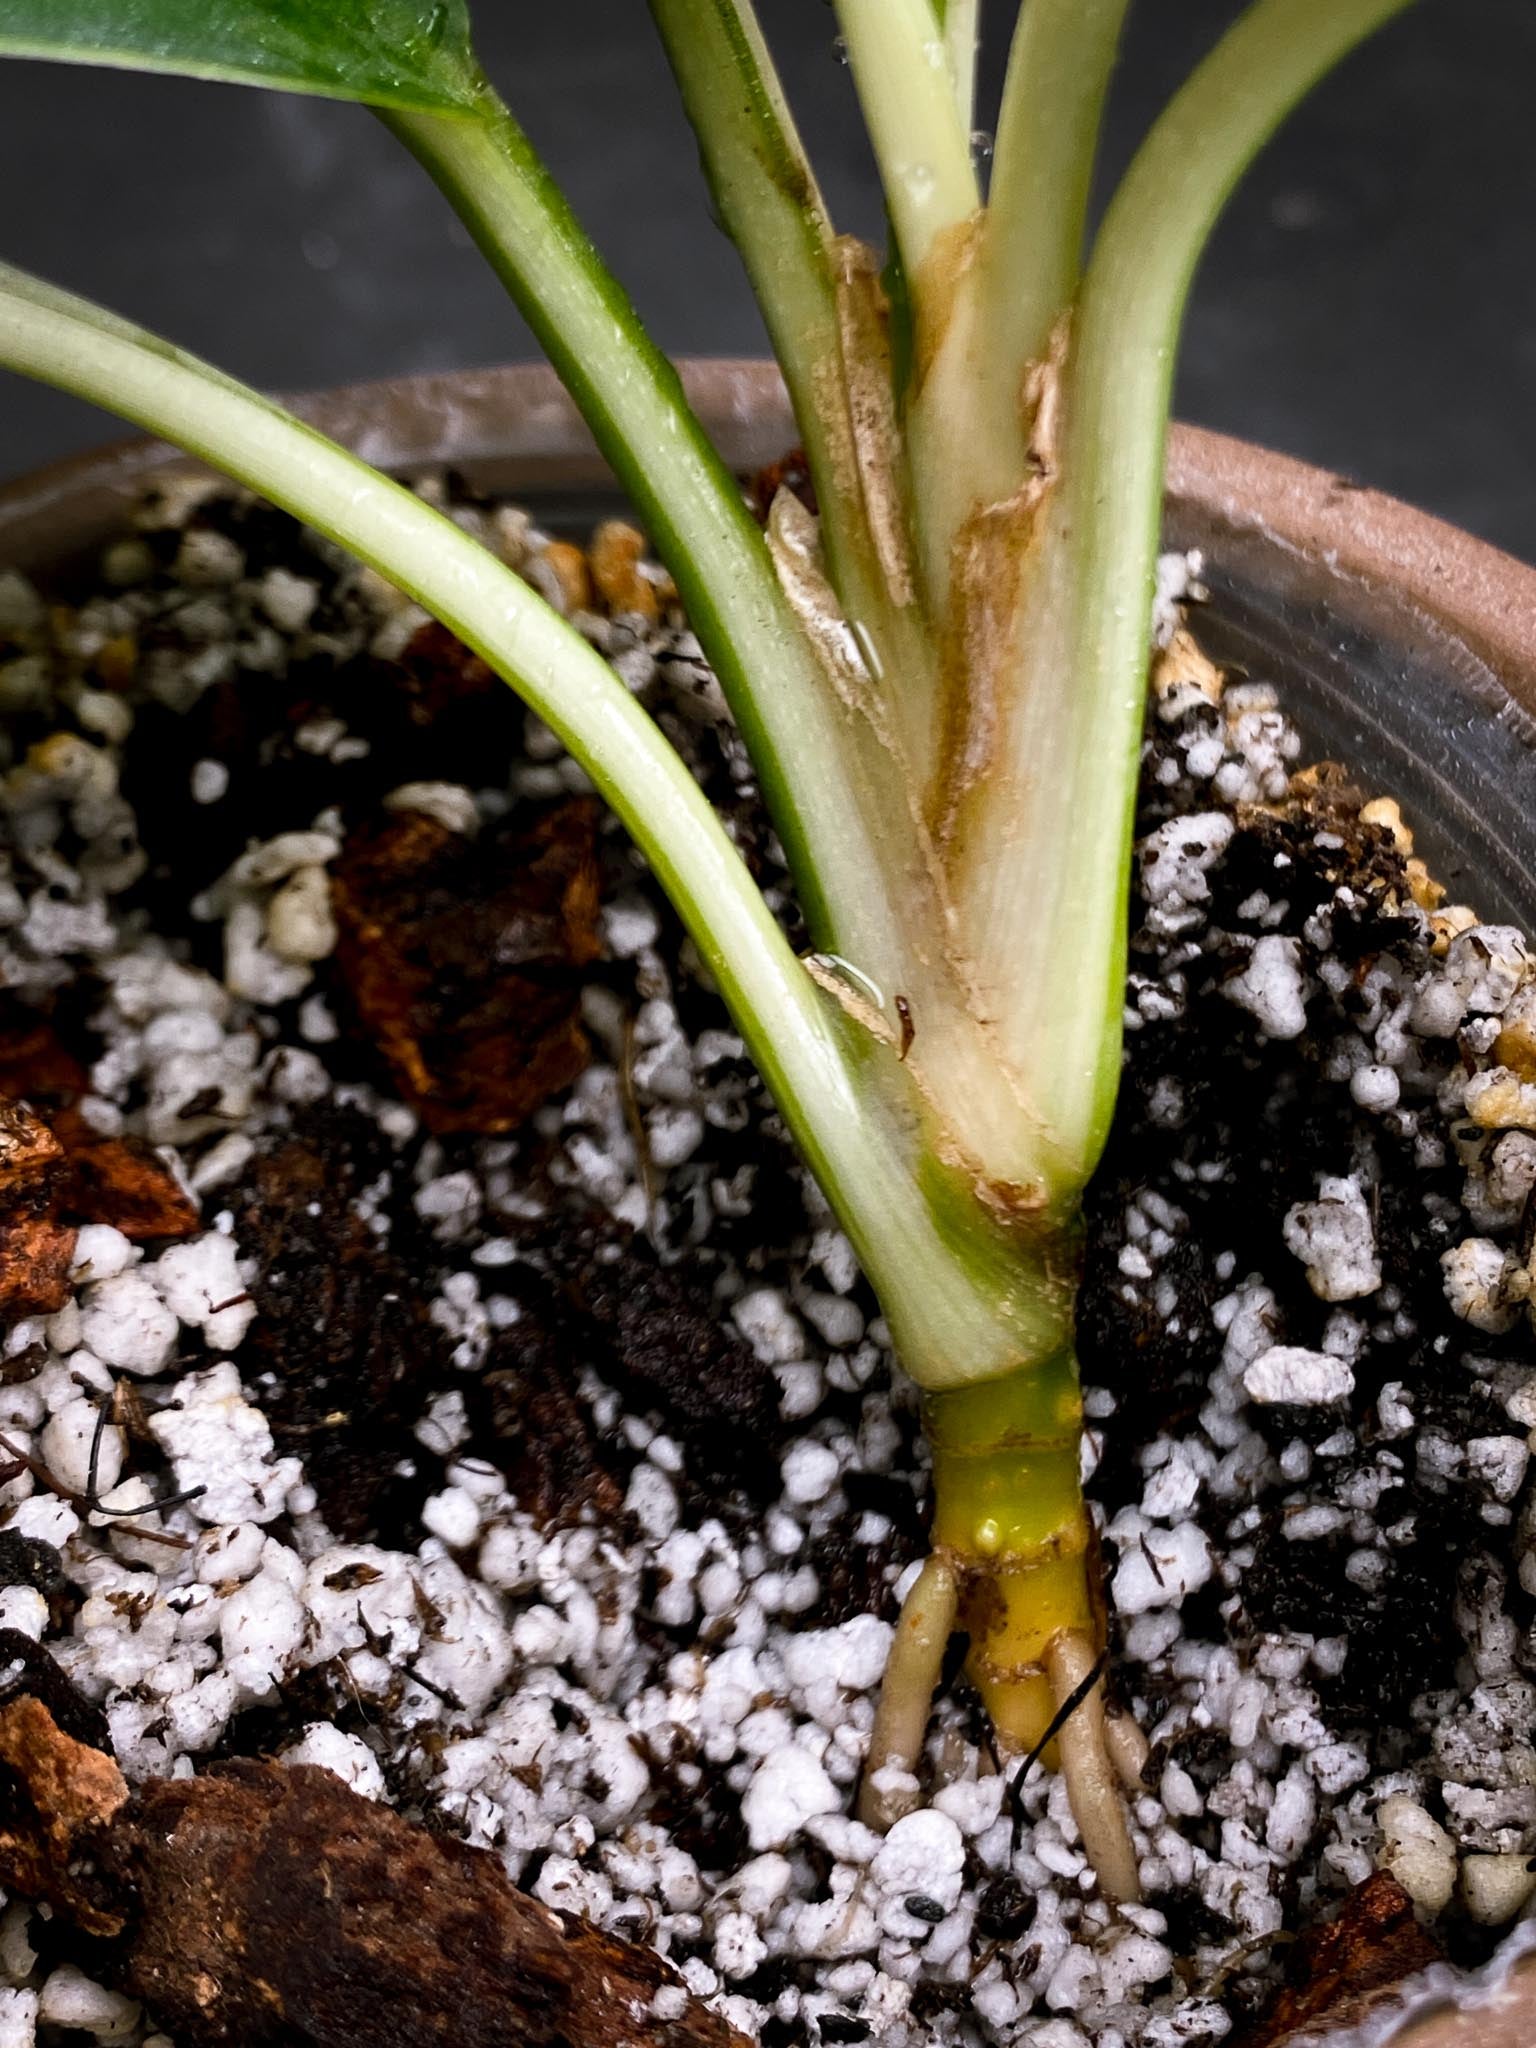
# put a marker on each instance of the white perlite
(18, 2018)
(1480, 1284)
(924, 1855)
(1496, 1888)
(788, 1788)
(70, 1446)
(217, 1442)
(1288, 1373)
(1161, 1567)
(201, 1283)
(1272, 987)
(347, 1756)
(1418, 1853)
(1175, 860)
(1486, 965)
(71, 1999)
(1498, 1463)
(1335, 1240)
(125, 1322)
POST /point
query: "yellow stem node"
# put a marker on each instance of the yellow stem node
(1010, 1519)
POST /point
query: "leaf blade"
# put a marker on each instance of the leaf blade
(395, 53)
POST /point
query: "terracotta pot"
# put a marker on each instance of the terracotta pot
(1496, 2009)
(1404, 648)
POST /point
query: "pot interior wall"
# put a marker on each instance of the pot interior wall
(1406, 707)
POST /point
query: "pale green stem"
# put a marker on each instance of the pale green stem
(1048, 901)
(958, 1302)
(768, 202)
(1047, 136)
(902, 69)
(821, 784)
(962, 35)
(904, 56)
(968, 425)
(767, 199)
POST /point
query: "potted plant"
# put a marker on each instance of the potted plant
(936, 657)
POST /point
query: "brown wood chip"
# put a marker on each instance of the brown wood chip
(463, 960)
(64, 1796)
(272, 1907)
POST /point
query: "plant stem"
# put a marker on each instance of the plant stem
(769, 204)
(1009, 1515)
(823, 781)
(923, 148)
(961, 22)
(914, 65)
(1046, 886)
(818, 300)
(1014, 1564)
(959, 1295)
(1058, 75)
(1047, 137)
(969, 428)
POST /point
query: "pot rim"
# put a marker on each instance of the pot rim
(1465, 587)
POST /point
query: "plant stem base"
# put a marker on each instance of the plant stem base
(1010, 1518)
(1014, 1535)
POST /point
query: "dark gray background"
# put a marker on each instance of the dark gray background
(1369, 302)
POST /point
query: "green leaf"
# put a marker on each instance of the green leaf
(392, 53)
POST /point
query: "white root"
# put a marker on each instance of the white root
(1128, 1749)
(1099, 1752)
(923, 1631)
(1085, 1761)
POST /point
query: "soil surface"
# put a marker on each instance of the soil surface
(425, 1359)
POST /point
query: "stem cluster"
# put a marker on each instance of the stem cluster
(940, 673)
